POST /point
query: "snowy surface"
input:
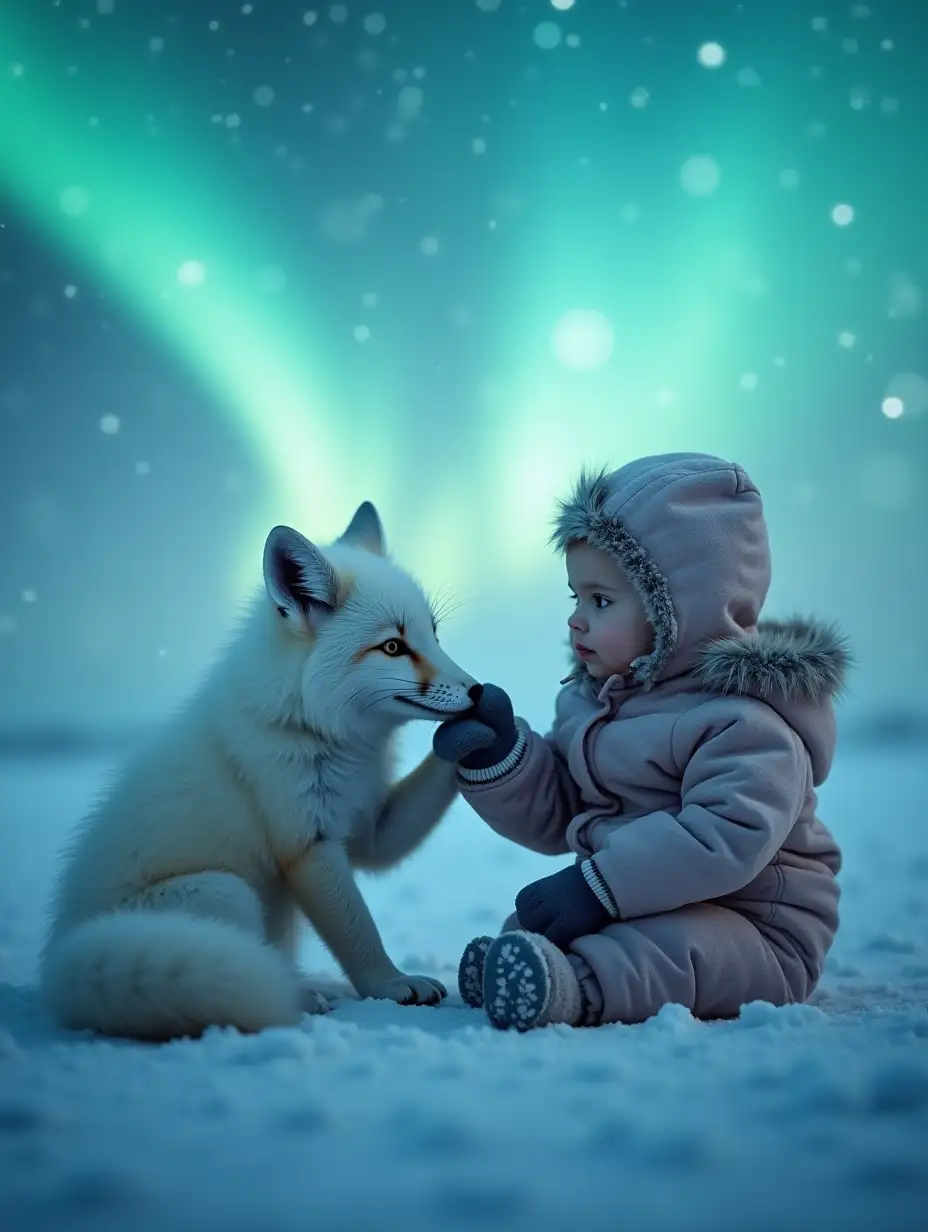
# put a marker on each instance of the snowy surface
(387, 1117)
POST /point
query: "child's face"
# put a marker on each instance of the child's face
(608, 618)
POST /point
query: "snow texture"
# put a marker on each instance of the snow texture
(388, 1117)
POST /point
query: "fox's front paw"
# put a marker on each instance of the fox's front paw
(313, 1002)
(407, 990)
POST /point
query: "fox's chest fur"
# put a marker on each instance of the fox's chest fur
(305, 791)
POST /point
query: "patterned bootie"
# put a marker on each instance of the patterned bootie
(528, 982)
(470, 971)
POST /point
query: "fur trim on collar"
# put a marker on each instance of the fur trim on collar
(793, 658)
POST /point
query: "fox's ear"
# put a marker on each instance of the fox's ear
(299, 579)
(365, 530)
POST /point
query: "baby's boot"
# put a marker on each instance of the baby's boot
(470, 971)
(528, 982)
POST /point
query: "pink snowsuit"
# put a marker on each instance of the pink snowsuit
(691, 781)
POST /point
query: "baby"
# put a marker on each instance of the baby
(682, 767)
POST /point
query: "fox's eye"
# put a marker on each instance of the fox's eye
(394, 647)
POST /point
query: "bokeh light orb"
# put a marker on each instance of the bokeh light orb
(191, 274)
(547, 35)
(910, 391)
(700, 176)
(893, 407)
(711, 55)
(582, 339)
(74, 201)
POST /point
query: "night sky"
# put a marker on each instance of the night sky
(259, 263)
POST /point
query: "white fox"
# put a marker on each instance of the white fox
(178, 904)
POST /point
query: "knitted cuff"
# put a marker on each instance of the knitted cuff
(489, 774)
(600, 887)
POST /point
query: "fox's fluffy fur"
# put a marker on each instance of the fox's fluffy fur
(178, 904)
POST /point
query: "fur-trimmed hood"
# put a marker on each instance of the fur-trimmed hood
(688, 532)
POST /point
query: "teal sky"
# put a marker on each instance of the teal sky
(259, 263)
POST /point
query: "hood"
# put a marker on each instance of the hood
(688, 532)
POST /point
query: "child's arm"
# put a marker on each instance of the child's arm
(533, 801)
(745, 775)
(515, 779)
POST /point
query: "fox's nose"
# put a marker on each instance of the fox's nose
(475, 692)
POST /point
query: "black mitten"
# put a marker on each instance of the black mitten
(483, 736)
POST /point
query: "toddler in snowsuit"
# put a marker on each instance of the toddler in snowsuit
(681, 769)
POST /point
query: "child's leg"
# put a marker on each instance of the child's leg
(707, 958)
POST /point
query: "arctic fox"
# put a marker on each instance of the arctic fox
(178, 903)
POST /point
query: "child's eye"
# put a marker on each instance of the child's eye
(394, 647)
(606, 601)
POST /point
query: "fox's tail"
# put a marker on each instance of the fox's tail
(156, 975)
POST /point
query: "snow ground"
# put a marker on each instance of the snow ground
(387, 1117)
